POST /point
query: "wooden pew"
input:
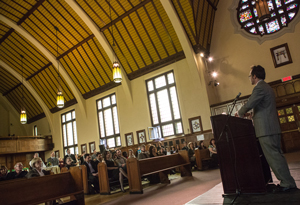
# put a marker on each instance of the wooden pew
(202, 155)
(84, 177)
(103, 179)
(43, 189)
(136, 169)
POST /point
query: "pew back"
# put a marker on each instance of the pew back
(41, 189)
(202, 155)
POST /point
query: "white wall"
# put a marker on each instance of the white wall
(234, 54)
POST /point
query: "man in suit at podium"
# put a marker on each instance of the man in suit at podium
(267, 127)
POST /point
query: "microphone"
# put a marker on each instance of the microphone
(237, 97)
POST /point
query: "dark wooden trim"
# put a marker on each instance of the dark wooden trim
(75, 46)
(125, 14)
(40, 2)
(205, 27)
(36, 118)
(82, 145)
(127, 134)
(199, 48)
(10, 90)
(40, 70)
(200, 26)
(159, 64)
(100, 89)
(6, 35)
(67, 104)
(191, 126)
(212, 5)
(137, 135)
(90, 143)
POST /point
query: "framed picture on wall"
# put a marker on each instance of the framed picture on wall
(92, 146)
(195, 124)
(141, 135)
(83, 148)
(57, 153)
(129, 139)
(281, 55)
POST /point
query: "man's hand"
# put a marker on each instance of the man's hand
(236, 114)
(123, 165)
(95, 174)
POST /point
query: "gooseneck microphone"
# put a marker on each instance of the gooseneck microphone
(237, 97)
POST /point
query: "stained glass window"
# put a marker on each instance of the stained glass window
(282, 13)
(280, 112)
(291, 118)
(282, 120)
(69, 132)
(289, 111)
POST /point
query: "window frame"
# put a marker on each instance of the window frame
(62, 130)
(113, 120)
(155, 91)
(35, 133)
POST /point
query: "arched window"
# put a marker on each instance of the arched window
(282, 13)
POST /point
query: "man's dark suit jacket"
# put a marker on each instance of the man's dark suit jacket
(88, 167)
(13, 175)
(54, 161)
(72, 157)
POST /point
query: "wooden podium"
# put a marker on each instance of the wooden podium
(242, 165)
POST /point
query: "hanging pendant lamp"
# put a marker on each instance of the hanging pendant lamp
(23, 115)
(262, 9)
(60, 100)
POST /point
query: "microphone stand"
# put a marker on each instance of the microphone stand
(225, 130)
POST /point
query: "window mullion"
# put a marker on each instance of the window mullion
(157, 108)
(113, 120)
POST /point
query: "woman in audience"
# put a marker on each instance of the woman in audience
(153, 151)
(213, 152)
(201, 145)
(130, 153)
(177, 148)
(124, 154)
(69, 163)
(18, 173)
(173, 151)
(168, 152)
(36, 168)
(113, 170)
(3, 172)
(153, 178)
(191, 153)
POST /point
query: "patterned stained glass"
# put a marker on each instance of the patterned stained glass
(288, 1)
(272, 26)
(243, 1)
(245, 16)
(292, 6)
(253, 2)
(289, 111)
(244, 7)
(255, 12)
(249, 24)
(257, 20)
(270, 4)
(291, 118)
(253, 30)
(280, 11)
(261, 29)
(273, 14)
(291, 15)
(280, 112)
(283, 20)
(278, 3)
(282, 120)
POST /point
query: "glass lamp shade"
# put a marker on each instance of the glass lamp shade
(262, 9)
(117, 72)
(60, 99)
(23, 116)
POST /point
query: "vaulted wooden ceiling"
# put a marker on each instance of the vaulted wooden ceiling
(139, 32)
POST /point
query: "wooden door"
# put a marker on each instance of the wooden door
(289, 118)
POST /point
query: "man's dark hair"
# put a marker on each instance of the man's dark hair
(259, 71)
(86, 155)
(98, 153)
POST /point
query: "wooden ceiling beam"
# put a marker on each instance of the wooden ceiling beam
(40, 2)
(125, 14)
(6, 35)
(13, 88)
(212, 5)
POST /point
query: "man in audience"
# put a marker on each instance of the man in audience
(184, 146)
(3, 172)
(143, 154)
(121, 162)
(159, 146)
(94, 156)
(36, 155)
(69, 155)
(92, 173)
(18, 173)
(82, 158)
(53, 160)
(99, 158)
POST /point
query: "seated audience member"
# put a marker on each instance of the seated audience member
(121, 162)
(53, 160)
(153, 178)
(173, 150)
(159, 146)
(191, 153)
(130, 154)
(37, 168)
(3, 172)
(92, 173)
(124, 154)
(201, 145)
(138, 151)
(81, 159)
(143, 154)
(18, 173)
(177, 148)
(69, 155)
(153, 151)
(36, 155)
(168, 152)
(99, 158)
(114, 172)
(94, 156)
(213, 152)
(61, 163)
(69, 163)
(184, 146)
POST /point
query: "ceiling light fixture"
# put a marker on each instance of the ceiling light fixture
(60, 101)
(262, 9)
(23, 115)
(202, 54)
(117, 76)
(210, 59)
(214, 74)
